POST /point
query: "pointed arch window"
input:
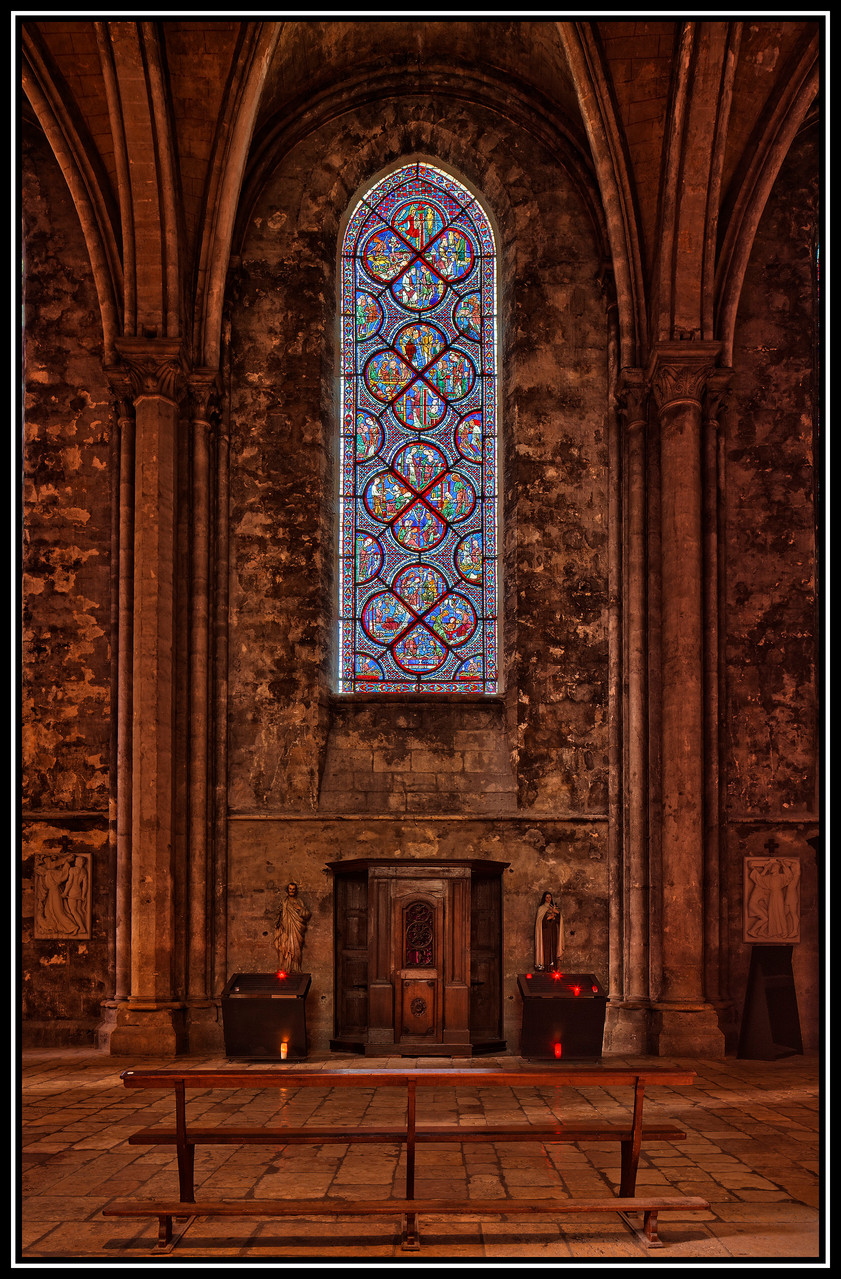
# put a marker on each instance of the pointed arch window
(418, 580)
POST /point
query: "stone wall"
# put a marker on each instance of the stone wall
(65, 635)
(418, 758)
(771, 708)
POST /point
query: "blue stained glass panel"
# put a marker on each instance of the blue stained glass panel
(418, 486)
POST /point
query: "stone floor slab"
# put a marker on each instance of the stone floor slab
(752, 1149)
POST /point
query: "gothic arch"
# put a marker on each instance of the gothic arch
(76, 156)
(795, 93)
(518, 105)
(616, 186)
(292, 232)
(231, 145)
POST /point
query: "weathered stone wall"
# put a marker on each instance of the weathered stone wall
(535, 760)
(771, 704)
(417, 758)
(65, 736)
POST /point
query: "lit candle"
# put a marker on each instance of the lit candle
(284, 1049)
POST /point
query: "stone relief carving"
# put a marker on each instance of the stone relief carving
(63, 896)
(772, 899)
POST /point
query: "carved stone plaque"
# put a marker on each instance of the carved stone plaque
(63, 896)
(772, 899)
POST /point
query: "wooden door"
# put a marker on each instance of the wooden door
(418, 959)
(351, 985)
(418, 956)
(485, 959)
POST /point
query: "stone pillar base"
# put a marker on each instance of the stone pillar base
(143, 1028)
(685, 1030)
(105, 1029)
(204, 1027)
(627, 1027)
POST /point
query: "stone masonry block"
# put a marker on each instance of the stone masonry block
(434, 762)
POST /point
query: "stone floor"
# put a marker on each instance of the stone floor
(752, 1150)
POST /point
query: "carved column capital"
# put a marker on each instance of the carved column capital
(717, 394)
(680, 372)
(120, 385)
(632, 397)
(204, 395)
(155, 367)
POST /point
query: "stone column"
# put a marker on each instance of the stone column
(629, 1009)
(684, 1022)
(615, 640)
(122, 571)
(124, 698)
(204, 1031)
(151, 1020)
(221, 543)
(717, 390)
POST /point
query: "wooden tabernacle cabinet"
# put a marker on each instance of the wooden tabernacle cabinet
(418, 956)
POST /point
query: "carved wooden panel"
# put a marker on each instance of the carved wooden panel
(486, 958)
(419, 936)
(418, 956)
(426, 940)
(352, 955)
(419, 1008)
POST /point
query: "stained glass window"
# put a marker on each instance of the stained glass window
(418, 499)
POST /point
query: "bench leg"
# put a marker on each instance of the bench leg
(648, 1234)
(186, 1165)
(168, 1238)
(411, 1237)
(184, 1148)
(628, 1173)
(649, 1229)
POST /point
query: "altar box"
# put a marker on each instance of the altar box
(563, 1016)
(264, 1016)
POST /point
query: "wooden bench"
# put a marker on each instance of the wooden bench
(629, 1134)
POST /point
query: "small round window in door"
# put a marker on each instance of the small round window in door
(418, 934)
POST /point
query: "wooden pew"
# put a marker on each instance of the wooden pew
(628, 1134)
